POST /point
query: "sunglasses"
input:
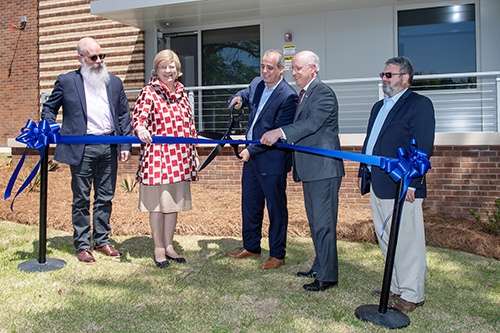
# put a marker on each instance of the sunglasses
(94, 57)
(389, 74)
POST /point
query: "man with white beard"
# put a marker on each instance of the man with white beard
(93, 103)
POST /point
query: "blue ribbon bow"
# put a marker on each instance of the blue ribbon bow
(407, 167)
(36, 137)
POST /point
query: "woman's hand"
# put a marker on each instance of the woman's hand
(144, 136)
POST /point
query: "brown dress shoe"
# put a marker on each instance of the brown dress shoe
(272, 263)
(109, 251)
(378, 293)
(242, 253)
(85, 256)
(404, 305)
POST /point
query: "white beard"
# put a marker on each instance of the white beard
(97, 74)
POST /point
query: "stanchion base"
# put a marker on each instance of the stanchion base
(392, 319)
(33, 266)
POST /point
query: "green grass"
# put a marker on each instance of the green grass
(215, 293)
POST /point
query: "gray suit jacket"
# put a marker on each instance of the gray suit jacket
(315, 125)
(70, 94)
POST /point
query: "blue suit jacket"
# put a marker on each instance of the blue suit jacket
(412, 117)
(277, 112)
(70, 94)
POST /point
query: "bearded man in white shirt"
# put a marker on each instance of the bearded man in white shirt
(93, 103)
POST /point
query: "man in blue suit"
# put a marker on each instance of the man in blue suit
(316, 125)
(272, 103)
(401, 116)
(93, 103)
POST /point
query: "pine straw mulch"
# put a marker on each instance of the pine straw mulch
(217, 213)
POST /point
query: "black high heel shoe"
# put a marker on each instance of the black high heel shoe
(178, 260)
(163, 264)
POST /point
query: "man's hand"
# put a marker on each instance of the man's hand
(359, 183)
(237, 101)
(125, 155)
(245, 155)
(410, 196)
(269, 138)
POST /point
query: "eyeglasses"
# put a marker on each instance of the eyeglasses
(95, 56)
(297, 69)
(164, 68)
(389, 74)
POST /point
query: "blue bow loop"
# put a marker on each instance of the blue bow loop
(39, 137)
(36, 137)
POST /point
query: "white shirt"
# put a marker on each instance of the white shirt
(99, 118)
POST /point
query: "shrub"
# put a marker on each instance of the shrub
(493, 224)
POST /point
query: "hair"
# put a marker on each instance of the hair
(404, 64)
(281, 58)
(312, 59)
(169, 56)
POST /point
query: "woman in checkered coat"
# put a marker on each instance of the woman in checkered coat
(165, 170)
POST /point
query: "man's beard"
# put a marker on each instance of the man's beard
(389, 89)
(97, 74)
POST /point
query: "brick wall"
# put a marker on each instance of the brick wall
(19, 92)
(462, 177)
(64, 22)
(47, 48)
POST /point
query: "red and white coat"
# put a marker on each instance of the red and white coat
(163, 113)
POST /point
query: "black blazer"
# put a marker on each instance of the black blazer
(70, 94)
(412, 117)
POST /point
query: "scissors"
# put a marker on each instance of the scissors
(233, 121)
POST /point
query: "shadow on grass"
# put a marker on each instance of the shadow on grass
(216, 293)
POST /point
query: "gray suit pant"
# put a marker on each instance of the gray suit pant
(98, 167)
(410, 263)
(322, 202)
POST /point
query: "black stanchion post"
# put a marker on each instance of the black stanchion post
(42, 264)
(381, 314)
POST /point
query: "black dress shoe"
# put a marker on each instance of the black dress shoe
(162, 264)
(319, 285)
(179, 260)
(310, 274)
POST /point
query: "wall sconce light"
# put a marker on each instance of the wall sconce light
(288, 37)
(21, 26)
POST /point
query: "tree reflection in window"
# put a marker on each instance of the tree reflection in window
(229, 56)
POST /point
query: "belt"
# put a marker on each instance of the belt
(107, 134)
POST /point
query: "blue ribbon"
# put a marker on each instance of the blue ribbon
(39, 137)
(36, 137)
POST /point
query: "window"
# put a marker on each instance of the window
(229, 56)
(440, 40)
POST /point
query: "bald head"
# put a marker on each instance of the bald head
(85, 44)
(305, 67)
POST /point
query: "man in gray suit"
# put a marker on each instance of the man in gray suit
(315, 125)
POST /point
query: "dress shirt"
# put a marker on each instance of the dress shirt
(389, 102)
(99, 118)
(263, 99)
(283, 135)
